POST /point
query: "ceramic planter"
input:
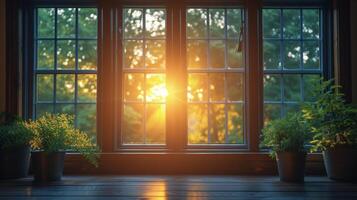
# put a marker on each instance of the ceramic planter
(291, 166)
(47, 166)
(14, 162)
(341, 164)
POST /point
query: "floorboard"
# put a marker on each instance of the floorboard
(177, 187)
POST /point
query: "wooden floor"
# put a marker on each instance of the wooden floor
(178, 187)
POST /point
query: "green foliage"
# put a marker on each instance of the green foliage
(13, 132)
(333, 122)
(287, 134)
(53, 133)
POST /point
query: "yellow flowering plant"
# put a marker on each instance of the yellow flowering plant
(56, 132)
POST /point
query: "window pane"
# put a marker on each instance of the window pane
(217, 24)
(234, 22)
(216, 86)
(44, 87)
(310, 81)
(272, 88)
(66, 54)
(197, 54)
(234, 56)
(45, 54)
(217, 124)
(66, 22)
(292, 55)
(155, 124)
(311, 55)
(87, 21)
(133, 54)
(133, 23)
(196, 23)
(234, 86)
(65, 108)
(155, 88)
(87, 119)
(87, 87)
(271, 23)
(87, 55)
(197, 87)
(271, 112)
(155, 23)
(291, 108)
(155, 54)
(292, 23)
(271, 55)
(217, 50)
(311, 23)
(235, 124)
(41, 109)
(292, 88)
(197, 124)
(65, 87)
(132, 124)
(134, 87)
(46, 22)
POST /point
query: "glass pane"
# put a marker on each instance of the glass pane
(155, 54)
(235, 87)
(66, 54)
(311, 55)
(271, 112)
(234, 56)
(235, 124)
(311, 23)
(234, 22)
(133, 54)
(155, 124)
(292, 55)
(216, 25)
(310, 81)
(291, 108)
(155, 23)
(217, 49)
(217, 124)
(65, 108)
(46, 22)
(87, 119)
(197, 87)
(132, 125)
(133, 22)
(292, 88)
(197, 124)
(271, 23)
(272, 88)
(41, 109)
(216, 86)
(271, 54)
(87, 21)
(87, 87)
(66, 22)
(196, 23)
(65, 87)
(134, 87)
(292, 23)
(44, 87)
(87, 55)
(155, 88)
(197, 54)
(45, 54)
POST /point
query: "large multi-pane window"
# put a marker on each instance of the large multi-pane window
(215, 66)
(291, 58)
(144, 82)
(65, 71)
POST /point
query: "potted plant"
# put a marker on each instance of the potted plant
(334, 125)
(286, 138)
(53, 136)
(14, 147)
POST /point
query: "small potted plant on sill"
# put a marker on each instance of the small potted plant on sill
(14, 147)
(53, 136)
(286, 138)
(334, 125)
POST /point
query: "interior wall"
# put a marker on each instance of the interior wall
(2, 55)
(354, 50)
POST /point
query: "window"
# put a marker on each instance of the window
(215, 66)
(65, 71)
(291, 57)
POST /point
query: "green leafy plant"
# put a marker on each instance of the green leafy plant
(13, 132)
(53, 133)
(331, 120)
(287, 134)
